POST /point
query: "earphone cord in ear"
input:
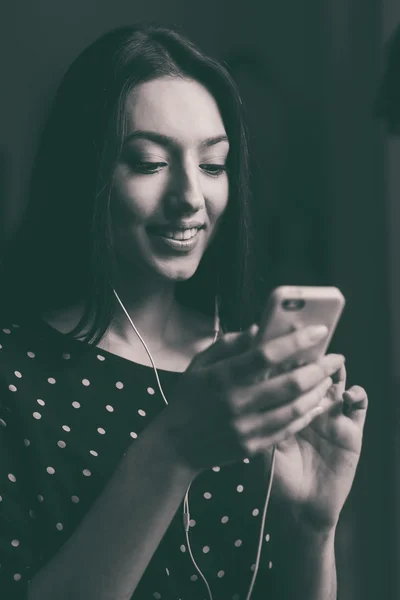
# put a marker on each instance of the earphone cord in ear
(186, 512)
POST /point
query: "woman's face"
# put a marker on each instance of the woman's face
(171, 184)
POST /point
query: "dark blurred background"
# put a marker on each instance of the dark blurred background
(326, 184)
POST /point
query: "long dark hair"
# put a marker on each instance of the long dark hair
(63, 249)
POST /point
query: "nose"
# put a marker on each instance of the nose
(186, 195)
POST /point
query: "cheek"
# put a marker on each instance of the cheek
(217, 198)
(136, 198)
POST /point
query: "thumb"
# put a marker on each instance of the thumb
(355, 402)
(230, 344)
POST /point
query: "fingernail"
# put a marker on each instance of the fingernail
(317, 411)
(333, 362)
(253, 329)
(317, 332)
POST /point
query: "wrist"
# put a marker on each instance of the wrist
(308, 526)
(314, 536)
(159, 438)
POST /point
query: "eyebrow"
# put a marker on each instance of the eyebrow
(168, 141)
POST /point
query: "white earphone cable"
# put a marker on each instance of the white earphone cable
(263, 521)
(145, 347)
(186, 511)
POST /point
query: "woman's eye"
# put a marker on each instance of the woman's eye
(213, 169)
(148, 168)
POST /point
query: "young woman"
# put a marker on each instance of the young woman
(119, 389)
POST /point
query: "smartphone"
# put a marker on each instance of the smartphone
(294, 307)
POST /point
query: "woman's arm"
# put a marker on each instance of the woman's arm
(305, 565)
(107, 555)
(217, 416)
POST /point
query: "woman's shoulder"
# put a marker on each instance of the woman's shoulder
(24, 338)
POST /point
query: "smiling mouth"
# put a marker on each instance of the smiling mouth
(175, 234)
(180, 234)
(180, 239)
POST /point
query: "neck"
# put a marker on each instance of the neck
(150, 303)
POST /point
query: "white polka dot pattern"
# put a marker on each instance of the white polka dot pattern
(224, 519)
(75, 415)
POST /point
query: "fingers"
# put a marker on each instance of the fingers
(229, 345)
(355, 404)
(283, 389)
(279, 349)
(280, 419)
(261, 443)
(339, 377)
(264, 357)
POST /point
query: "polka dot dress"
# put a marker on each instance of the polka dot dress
(68, 412)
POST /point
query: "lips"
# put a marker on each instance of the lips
(180, 233)
(181, 238)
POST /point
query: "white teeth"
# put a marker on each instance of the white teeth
(180, 234)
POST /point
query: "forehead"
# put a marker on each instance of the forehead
(174, 107)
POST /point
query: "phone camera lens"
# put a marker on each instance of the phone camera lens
(293, 304)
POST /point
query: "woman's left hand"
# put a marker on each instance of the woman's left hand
(315, 470)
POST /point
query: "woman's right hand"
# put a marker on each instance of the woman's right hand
(225, 408)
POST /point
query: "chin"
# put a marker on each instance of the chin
(177, 273)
